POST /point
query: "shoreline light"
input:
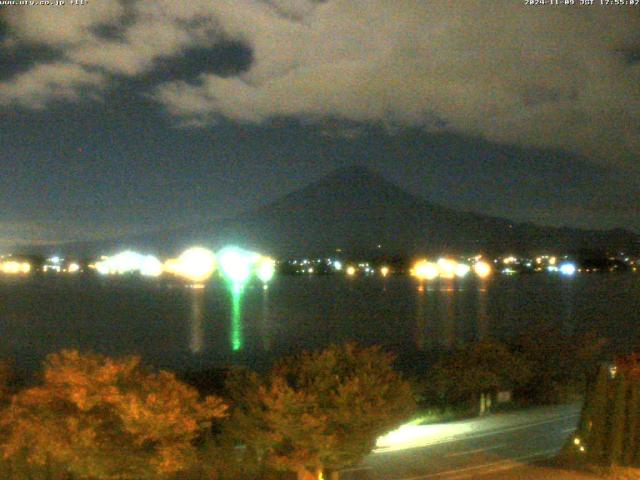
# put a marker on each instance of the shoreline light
(266, 269)
(125, 262)
(482, 269)
(567, 269)
(236, 264)
(196, 264)
(462, 269)
(447, 268)
(14, 267)
(425, 270)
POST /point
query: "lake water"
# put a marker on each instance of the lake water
(181, 328)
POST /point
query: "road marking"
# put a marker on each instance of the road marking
(500, 465)
(477, 450)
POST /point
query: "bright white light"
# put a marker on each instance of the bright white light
(337, 265)
(150, 266)
(125, 262)
(14, 267)
(73, 268)
(414, 436)
(567, 269)
(425, 270)
(121, 263)
(196, 264)
(266, 269)
(384, 271)
(447, 268)
(482, 269)
(236, 264)
(102, 266)
(351, 270)
(462, 269)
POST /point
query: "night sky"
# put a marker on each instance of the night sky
(127, 116)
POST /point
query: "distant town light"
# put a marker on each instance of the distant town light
(196, 264)
(73, 268)
(121, 263)
(351, 270)
(482, 269)
(425, 270)
(568, 269)
(447, 267)
(150, 266)
(236, 264)
(462, 269)
(13, 267)
(384, 271)
(266, 269)
(337, 265)
(126, 262)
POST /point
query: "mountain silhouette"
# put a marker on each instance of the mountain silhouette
(358, 211)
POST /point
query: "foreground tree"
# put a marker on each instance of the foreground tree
(470, 374)
(608, 432)
(319, 411)
(6, 377)
(104, 418)
(561, 364)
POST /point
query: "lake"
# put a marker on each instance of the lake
(176, 327)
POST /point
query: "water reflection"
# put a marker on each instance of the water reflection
(567, 294)
(267, 334)
(448, 312)
(237, 291)
(447, 316)
(305, 313)
(482, 315)
(196, 330)
(421, 322)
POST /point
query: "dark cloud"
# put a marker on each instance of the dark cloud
(487, 106)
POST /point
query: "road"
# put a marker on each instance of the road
(471, 448)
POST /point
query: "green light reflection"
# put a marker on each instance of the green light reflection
(237, 289)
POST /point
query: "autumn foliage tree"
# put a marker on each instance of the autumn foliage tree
(104, 418)
(481, 368)
(322, 410)
(6, 376)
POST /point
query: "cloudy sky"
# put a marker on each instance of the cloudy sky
(120, 116)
